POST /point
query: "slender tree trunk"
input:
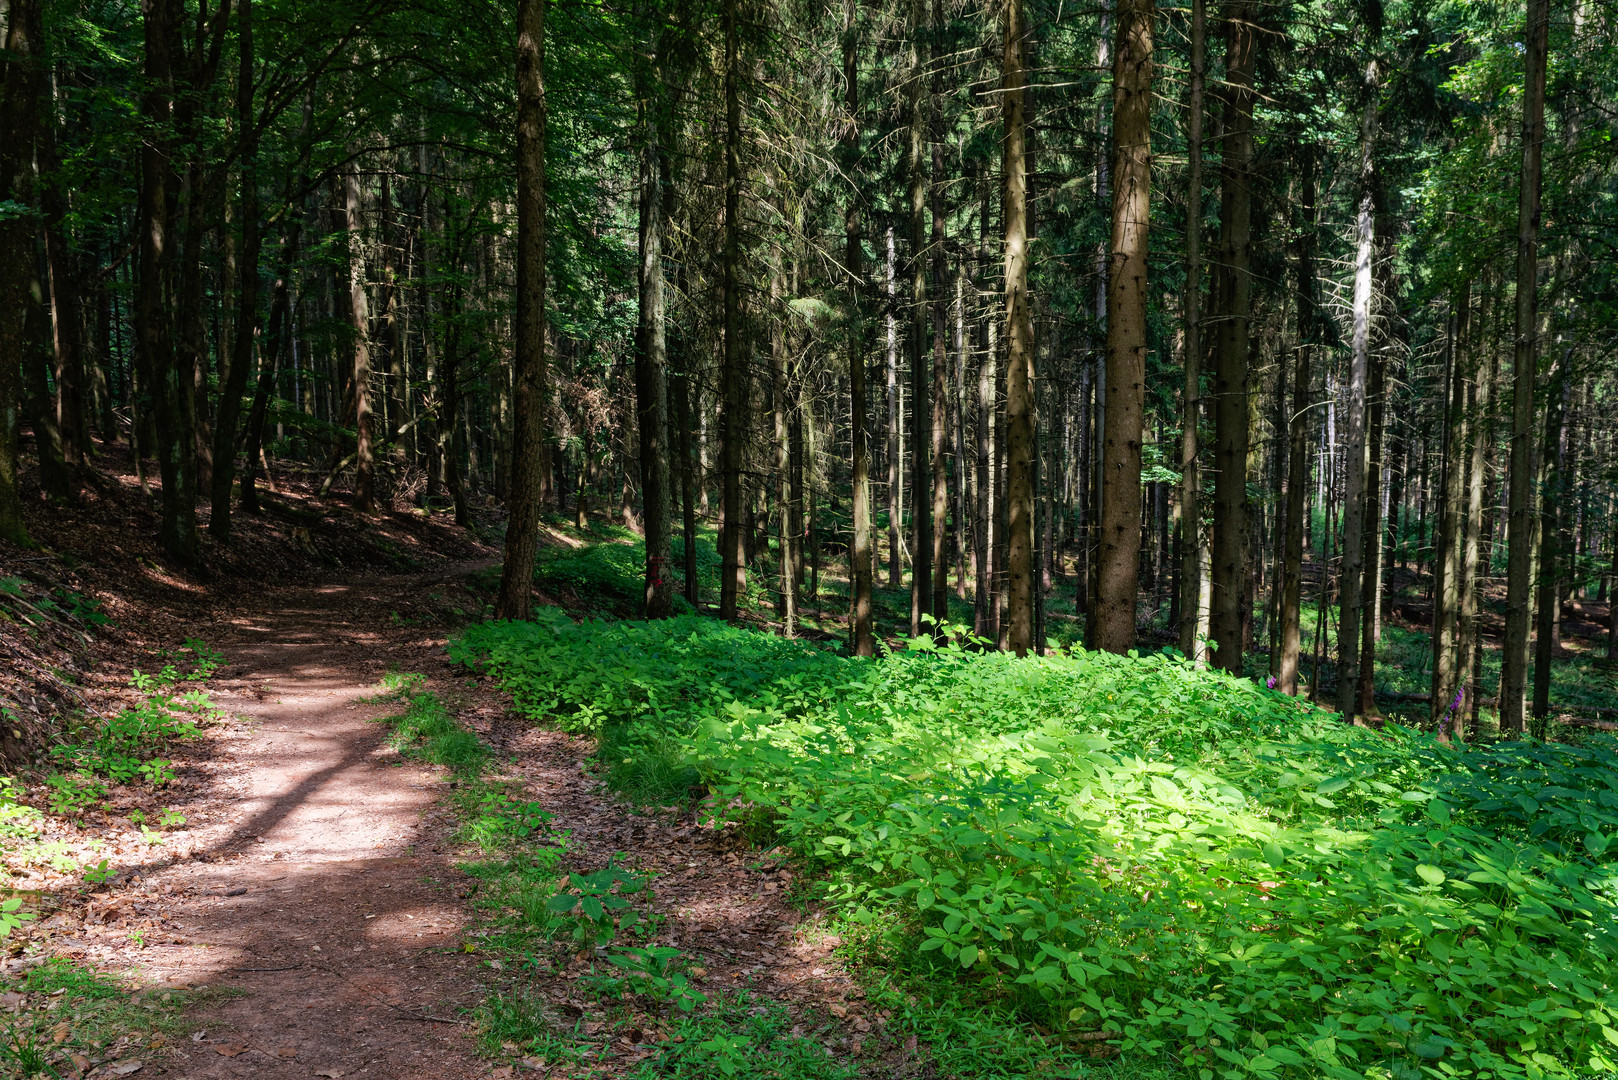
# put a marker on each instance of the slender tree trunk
(787, 605)
(1229, 555)
(1479, 430)
(1126, 327)
(1371, 588)
(1447, 557)
(1192, 548)
(528, 375)
(1298, 432)
(861, 615)
(651, 360)
(921, 558)
(170, 393)
(1354, 440)
(66, 282)
(246, 333)
(1520, 498)
(895, 569)
(1552, 546)
(1019, 350)
(16, 247)
(359, 308)
(733, 422)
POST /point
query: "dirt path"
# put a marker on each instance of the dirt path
(315, 882)
(325, 898)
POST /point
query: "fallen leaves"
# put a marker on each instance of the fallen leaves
(124, 1068)
(231, 1050)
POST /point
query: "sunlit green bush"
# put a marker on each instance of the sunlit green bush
(1098, 844)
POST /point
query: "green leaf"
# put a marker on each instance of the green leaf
(1432, 875)
(968, 955)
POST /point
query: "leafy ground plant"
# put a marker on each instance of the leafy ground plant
(1130, 853)
(67, 1017)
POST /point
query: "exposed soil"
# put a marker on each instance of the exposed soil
(313, 885)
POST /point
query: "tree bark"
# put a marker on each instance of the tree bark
(1525, 347)
(1354, 425)
(651, 357)
(733, 559)
(246, 333)
(921, 503)
(1552, 543)
(1019, 349)
(1447, 658)
(1193, 549)
(861, 615)
(1229, 555)
(1126, 327)
(529, 376)
(1298, 433)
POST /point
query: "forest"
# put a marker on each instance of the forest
(1106, 507)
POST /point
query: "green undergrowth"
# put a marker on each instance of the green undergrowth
(67, 1016)
(1128, 856)
(533, 914)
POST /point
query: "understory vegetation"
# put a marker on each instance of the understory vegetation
(1130, 856)
(534, 916)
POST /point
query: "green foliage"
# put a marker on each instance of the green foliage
(427, 730)
(1132, 850)
(745, 1037)
(594, 907)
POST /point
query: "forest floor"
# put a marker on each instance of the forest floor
(310, 915)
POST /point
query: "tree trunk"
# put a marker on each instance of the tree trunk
(1229, 555)
(1126, 327)
(162, 375)
(861, 616)
(651, 359)
(528, 375)
(1371, 587)
(1298, 433)
(786, 539)
(1552, 545)
(1480, 435)
(1520, 499)
(1193, 548)
(1447, 558)
(359, 308)
(1354, 440)
(246, 332)
(921, 517)
(733, 422)
(1019, 350)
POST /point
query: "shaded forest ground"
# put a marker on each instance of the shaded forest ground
(300, 895)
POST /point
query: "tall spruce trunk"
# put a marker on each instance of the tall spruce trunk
(1447, 657)
(1552, 543)
(938, 421)
(1479, 434)
(861, 614)
(162, 374)
(1298, 433)
(651, 354)
(1193, 547)
(246, 332)
(891, 452)
(16, 248)
(1354, 423)
(1520, 495)
(1371, 586)
(528, 374)
(921, 516)
(787, 604)
(359, 308)
(1117, 579)
(732, 422)
(1019, 452)
(1229, 549)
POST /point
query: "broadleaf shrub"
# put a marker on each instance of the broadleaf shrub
(1129, 848)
